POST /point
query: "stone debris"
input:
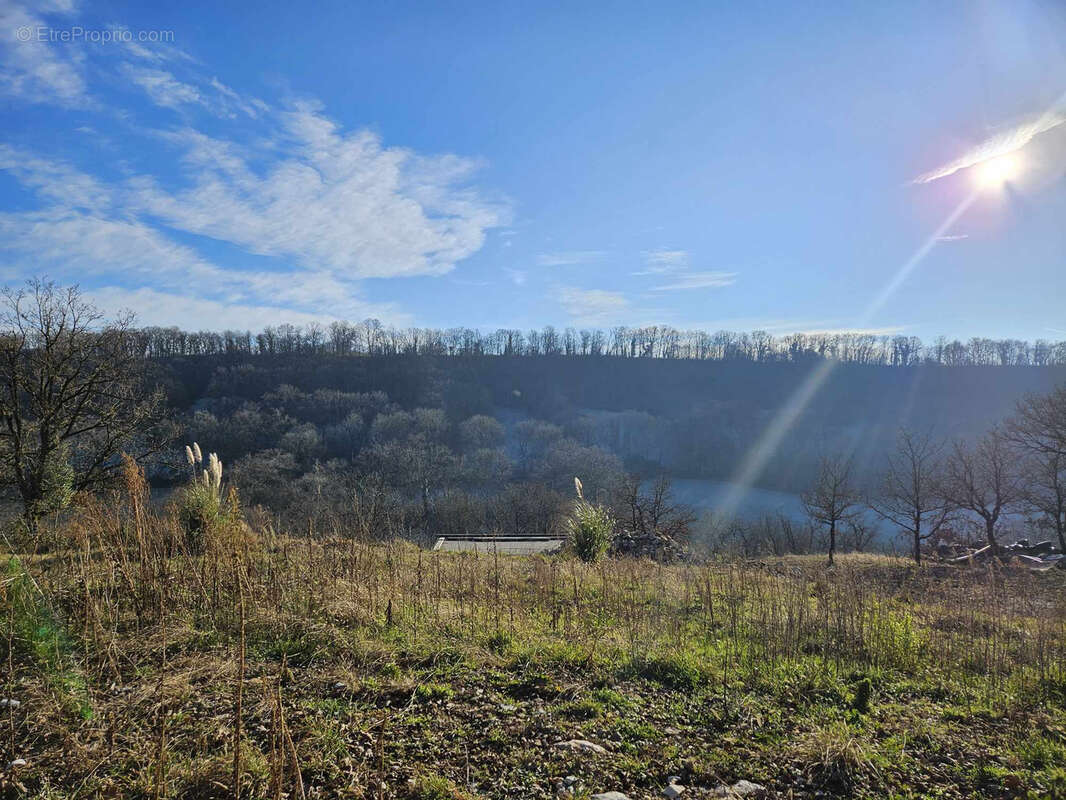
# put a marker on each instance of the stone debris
(18, 762)
(673, 791)
(7, 702)
(656, 545)
(581, 746)
(741, 788)
(609, 796)
(1038, 557)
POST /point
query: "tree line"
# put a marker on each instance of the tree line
(429, 458)
(371, 338)
(931, 490)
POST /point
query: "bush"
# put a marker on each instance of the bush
(200, 508)
(199, 511)
(591, 530)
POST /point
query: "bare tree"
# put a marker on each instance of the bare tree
(832, 500)
(1039, 423)
(1038, 428)
(908, 496)
(984, 479)
(1045, 491)
(654, 512)
(72, 395)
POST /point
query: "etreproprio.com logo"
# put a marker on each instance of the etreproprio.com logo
(76, 33)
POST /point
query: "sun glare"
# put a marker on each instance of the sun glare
(997, 172)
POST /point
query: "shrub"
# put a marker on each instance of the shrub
(201, 511)
(590, 529)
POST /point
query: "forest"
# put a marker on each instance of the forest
(427, 433)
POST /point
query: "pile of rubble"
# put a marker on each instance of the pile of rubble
(656, 545)
(1039, 557)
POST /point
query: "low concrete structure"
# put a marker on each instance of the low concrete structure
(507, 545)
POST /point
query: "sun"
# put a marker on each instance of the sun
(997, 172)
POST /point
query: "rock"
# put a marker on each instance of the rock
(741, 789)
(673, 791)
(7, 702)
(18, 762)
(609, 796)
(581, 746)
(570, 780)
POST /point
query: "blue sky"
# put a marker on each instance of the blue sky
(713, 165)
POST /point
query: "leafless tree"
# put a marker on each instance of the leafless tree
(654, 512)
(908, 496)
(1038, 428)
(832, 500)
(1039, 423)
(984, 479)
(1045, 491)
(72, 395)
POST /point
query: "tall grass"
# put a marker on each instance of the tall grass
(127, 584)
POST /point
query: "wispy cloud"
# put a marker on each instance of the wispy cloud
(592, 306)
(1008, 141)
(312, 207)
(889, 330)
(517, 276)
(163, 88)
(698, 280)
(660, 261)
(953, 238)
(341, 203)
(154, 307)
(570, 257)
(90, 248)
(40, 72)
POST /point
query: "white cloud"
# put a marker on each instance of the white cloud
(341, 201)
(889, 330)
(77, 246)
(663, 260)
(592, 306)
(163, 88)
(198, 313)
(39, 71)
(325, 206)
(1014, 138)
(55, 181)
(699, 280)
(570, 258)
(953, 238)
(344, 206)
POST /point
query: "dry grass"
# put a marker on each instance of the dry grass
(326, 658)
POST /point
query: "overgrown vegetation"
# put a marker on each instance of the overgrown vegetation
(311, 665)
(590, 528)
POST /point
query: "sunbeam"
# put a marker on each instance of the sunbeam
(763, 450)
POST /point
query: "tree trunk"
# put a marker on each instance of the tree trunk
(990, 534)
(832, 540)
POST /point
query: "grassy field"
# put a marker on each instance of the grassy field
(276, 666)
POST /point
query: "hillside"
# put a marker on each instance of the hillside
(248, 663)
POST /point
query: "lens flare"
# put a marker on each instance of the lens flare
(997, 172)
